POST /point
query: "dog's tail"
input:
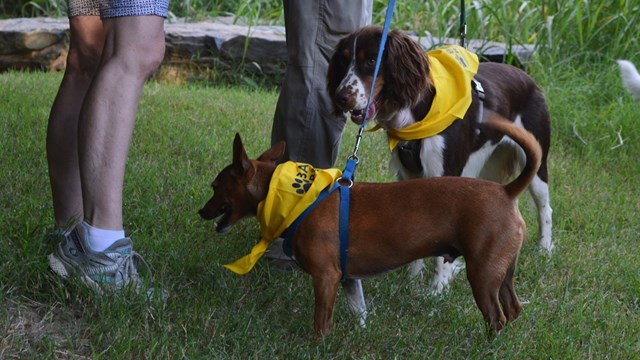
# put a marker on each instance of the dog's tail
(630, 77)
(531, 148)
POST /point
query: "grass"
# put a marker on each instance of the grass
(582, 302)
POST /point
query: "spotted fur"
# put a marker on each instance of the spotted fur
(403, 95)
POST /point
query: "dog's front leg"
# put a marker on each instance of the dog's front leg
(355, 298)
(325, 289)
(540, 192)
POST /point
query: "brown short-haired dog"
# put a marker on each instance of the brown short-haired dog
(392, 224)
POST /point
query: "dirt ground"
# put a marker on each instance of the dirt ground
(29, 329)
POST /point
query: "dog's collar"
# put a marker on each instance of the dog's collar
(409, 151)
(477, 86)
(451, 70)
(293, 187)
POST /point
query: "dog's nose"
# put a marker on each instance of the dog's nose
(203, 214)
(343, 98)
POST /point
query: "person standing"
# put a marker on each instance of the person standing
(115, 45)
(303, 116)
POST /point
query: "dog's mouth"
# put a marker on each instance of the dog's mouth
(223, 212)
(357, 115)
(222, 224)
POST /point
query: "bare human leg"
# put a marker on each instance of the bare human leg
(88, 142)
(109, 111)
(85, 49)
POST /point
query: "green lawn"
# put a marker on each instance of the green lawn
(581, 302)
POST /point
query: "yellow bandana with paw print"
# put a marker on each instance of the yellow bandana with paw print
(293, 188)
(451, 69)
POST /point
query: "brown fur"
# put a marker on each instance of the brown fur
(403, 83)
(403, 94)
(392, 224)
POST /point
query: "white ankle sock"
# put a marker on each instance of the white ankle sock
(101, 239)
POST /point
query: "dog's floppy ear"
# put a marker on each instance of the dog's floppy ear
(336, 71)
(406, 70)
(274, 154)
(241, 163)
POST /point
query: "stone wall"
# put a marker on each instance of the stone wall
(42, 44)
(33, 44)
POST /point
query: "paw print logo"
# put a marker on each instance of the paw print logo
(301, 185)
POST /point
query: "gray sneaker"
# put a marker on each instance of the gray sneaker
(113, 269)
(278, 258)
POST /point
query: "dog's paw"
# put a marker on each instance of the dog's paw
(301, 186)
(415, 269)
(445, 272)
(362, 320)
(546, 246)
(437, 288)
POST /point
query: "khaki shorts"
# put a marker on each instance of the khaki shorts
(115, 8)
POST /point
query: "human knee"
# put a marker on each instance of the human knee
(83, 59)
(146, 58)
(152, 57)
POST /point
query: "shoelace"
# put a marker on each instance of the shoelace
(127, 270)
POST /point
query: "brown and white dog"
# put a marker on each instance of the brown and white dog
(393, 224)
(403, 94)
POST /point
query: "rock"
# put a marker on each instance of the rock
(42, 44)
(37, 44)
(209, 43)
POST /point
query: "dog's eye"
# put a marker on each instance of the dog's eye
(346, 55)
(371, 62)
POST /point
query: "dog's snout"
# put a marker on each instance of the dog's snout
(344, 98)
(204, 214)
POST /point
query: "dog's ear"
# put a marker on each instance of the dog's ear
(241, 163)
(405, 70)
(336, 71)
(274, 154)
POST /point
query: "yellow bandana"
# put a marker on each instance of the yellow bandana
(293, 188)
(451, 68)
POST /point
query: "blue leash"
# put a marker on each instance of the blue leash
(463, 24)
(345, 182)
(383, 41)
